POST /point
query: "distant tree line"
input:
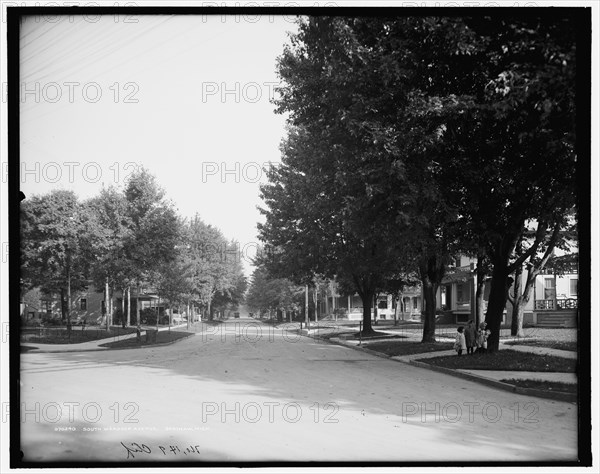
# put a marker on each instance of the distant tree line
(124, 239)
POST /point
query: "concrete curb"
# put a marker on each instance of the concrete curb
(534, 392)
(561, 396)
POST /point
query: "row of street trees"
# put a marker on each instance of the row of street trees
(120, 240)
(413, 139)
(273, 295)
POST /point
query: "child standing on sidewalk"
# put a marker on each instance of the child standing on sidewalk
(459, 344)
(482, 337)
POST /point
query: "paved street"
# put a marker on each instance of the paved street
(244, 391)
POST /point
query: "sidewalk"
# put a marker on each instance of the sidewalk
(90, 345)
(488, 377)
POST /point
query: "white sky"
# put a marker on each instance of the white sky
(185, 96)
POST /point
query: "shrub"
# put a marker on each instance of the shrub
(148, 316)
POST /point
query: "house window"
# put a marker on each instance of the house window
(382, 304)
(415, 303)
(573, 283)
(83, 304)
(46, 305)
(461, 293)
(549, 290)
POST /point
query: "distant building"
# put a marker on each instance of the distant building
(553, 301)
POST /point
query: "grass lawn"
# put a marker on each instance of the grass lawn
(543, 385)
(505, 360)
(395, 348)
(354, 336)
(60, 335)
(561, 345)
(162, 337)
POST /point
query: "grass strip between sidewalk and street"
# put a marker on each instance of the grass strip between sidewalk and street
(163, 337)
(78, 335)
(543, 385)
(398, 348)
(505, 359)
(560, 345)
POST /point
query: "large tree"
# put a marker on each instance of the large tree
(267, 294)
(329, 209)
(110, 268)
(499, 99)
(154, 230)
(57, 238)
(218, 278)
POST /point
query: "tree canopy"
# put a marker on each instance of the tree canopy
(411, 139)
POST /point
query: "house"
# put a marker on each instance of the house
(350, 307)
(553, 302)
(88, 305)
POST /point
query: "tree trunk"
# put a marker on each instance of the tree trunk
(367, 298)
(497, 303)
(375, 296)
(479, 309)
(306, 318)
(479, 302)
(129, 306)
(137, 306)
(523, 299)
(431, 271)
(429, 291)
(517, 315)
(123, 308)
(316, 302)
(112, 303)
(333, 305)
(106, 303)
(69, 301)
(396, 309)
(187, 313)
(516, 324)
(158, 315)
(63, 305)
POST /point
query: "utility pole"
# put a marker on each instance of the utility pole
(106, 308)
(333, 296)
(316, 298)
(306, 308)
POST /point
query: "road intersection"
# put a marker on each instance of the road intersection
(244, 391)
